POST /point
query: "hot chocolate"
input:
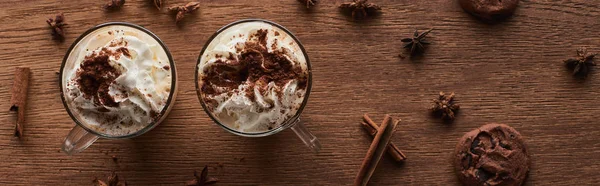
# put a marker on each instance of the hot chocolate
(253, 77)
(119, 82)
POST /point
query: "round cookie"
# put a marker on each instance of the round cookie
(493, 154)
(489, 9)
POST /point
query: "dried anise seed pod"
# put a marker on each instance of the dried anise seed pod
(158, 3)
(445, 106)
(360, 6)
(417, 43)
(203, 179)
(57, 24)
(114, 4)
(308, 2)
(113, 180)
(582, 64)
(183, 10)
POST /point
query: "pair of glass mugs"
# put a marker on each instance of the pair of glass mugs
(82, 136)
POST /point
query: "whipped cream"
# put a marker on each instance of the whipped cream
(133, 86)
(248, 102)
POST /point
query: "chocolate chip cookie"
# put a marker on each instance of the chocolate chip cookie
(489, 10)
(493, 154)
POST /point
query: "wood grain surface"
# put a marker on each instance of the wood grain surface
(511, 73)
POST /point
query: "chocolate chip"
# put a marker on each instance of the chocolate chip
(483, 175)
(469, 159)
(505, 146)
(474, 144)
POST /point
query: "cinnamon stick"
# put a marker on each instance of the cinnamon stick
(18, 99)
(371, 128)
(376, 151)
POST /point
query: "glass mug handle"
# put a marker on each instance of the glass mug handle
(78, 140)
(304, 134)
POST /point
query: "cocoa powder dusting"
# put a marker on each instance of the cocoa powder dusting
(222, 74)
(120, 42)
(95, 77)
(155, 115)
(262, 36)
(125, 51)
(255, 66)
(230, 57)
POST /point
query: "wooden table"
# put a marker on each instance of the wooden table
(510, 73)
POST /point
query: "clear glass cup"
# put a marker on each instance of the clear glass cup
(293, 122)
(81, 136)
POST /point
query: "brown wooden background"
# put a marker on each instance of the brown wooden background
(510, 73)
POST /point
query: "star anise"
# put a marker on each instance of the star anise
(582, 64)
(57, 24)
(445, 106)
(360, 6)
(113, 180)
(417, 43)
(308, 2)
(114, 4)
(157, 3)
(183, 10)
(203, 179)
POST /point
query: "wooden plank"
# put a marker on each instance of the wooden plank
(508, 73)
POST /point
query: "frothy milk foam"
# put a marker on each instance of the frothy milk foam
(253, 98)
(119, 81)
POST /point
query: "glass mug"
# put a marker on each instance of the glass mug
(293, 122)
(82, 136)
